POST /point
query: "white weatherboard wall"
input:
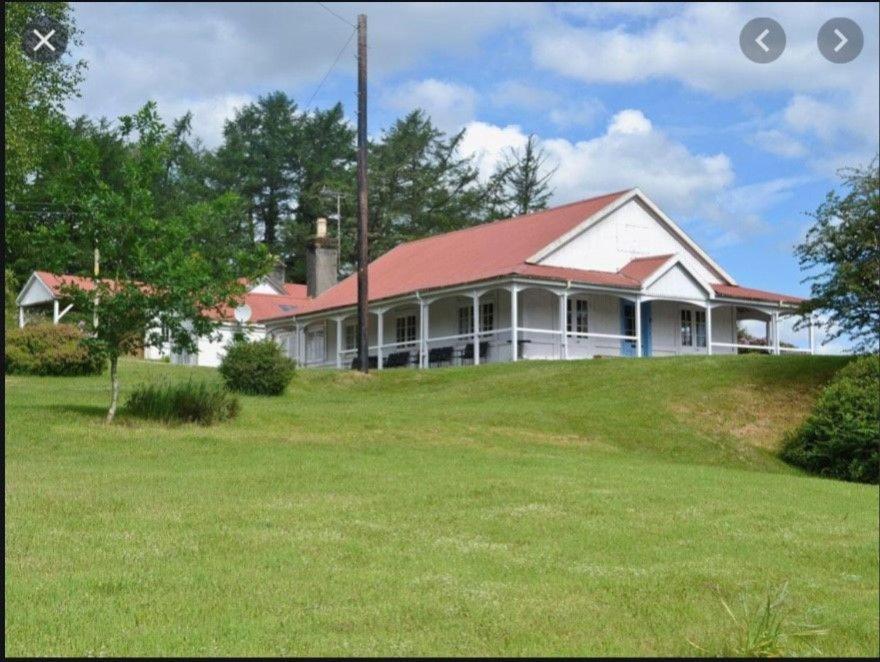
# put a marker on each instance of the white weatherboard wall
(627, 233)
(677, 283)
(210, 350)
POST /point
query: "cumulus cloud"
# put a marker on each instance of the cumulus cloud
(779, 143)
(699, 46)
(450, 105)
(200, 51)
(562, 111)
(631, 152)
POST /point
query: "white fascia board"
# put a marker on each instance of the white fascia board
(684, 237)
(34, 278)
(669, 264)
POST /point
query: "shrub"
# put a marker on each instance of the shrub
(841, 438)
(183, 402)
(46, 349)
(256, 368)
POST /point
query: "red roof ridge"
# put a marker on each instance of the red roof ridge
(664, 256)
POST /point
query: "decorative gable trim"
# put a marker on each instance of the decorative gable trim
(670, 264)
(664, 219)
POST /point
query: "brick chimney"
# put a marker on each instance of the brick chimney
(321, 260)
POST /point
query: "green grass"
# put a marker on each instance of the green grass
(586, 508)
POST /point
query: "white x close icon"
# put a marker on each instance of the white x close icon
(44, 41)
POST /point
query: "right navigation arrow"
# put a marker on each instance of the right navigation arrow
(843, 40)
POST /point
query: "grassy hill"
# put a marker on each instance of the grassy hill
(581, 508)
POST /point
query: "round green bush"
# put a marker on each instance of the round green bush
(45, 349)
(841, 437)
(256, 368)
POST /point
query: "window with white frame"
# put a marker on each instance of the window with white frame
(577, 321)
(465, 320)
(351, 336)
(406, 328)
(700, 327)
(687, 328)
(487, 317)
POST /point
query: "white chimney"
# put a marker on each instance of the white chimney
(321, 230)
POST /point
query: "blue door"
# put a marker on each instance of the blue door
(646, 328)
(627, 327)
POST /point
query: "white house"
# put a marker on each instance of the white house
(608, 276)
(270, 297)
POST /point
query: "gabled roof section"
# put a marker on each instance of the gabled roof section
(621, 200)
(641, 268)
(263, 306)
(56, 282)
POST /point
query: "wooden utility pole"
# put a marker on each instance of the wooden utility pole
(363, 257)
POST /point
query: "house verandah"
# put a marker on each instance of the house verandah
(517, 318)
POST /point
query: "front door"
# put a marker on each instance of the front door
(627, 327)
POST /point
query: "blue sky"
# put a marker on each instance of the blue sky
(657, 96)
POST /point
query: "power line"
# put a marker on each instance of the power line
(332, 66)
(344, 20)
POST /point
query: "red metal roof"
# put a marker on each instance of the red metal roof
(641, 268)
(588, 276)
(737, 292)
(470, 255)
(55, 282)
(263, 306)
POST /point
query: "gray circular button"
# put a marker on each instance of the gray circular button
(44, 39)
(840, 40)
(762, 40)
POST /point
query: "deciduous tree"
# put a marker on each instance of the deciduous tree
(841, 254)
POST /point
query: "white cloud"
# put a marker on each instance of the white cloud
(564, 112)
(449, 105)
(630, 153)
(630, 122)
(699, 46)
(199, 52)
(517, 94)
(487, 143)
(779, 143)
(209, 115)
(577, 113)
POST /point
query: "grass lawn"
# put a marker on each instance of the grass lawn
(585, 508)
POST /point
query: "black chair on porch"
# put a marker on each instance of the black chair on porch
(372, 360)
(467, 353)
(397, 360)
(439, 355)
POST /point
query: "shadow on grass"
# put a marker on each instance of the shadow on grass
(91, 411)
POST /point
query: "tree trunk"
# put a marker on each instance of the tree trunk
(114, 387)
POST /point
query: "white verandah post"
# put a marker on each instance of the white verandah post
(423, 333)
(812, 336)
(776, 333)
(300, 345)
(380, 336)
(514, 320)
(21, 317)
(339, 343)
(639, 327)
(709, 329)
(563, 325)
(55, 315)
(476, 326)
